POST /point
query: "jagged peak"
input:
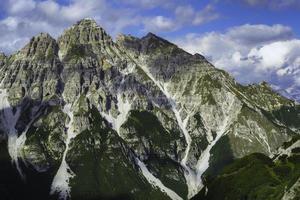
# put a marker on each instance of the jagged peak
(152, 37)
(122, 37)
(87, 22)
(199, 56)
(84, 36)
(44, 35)
(150, 34)
(85, 31)
(40, 46)
(2, 58)
(265, 84)
(2, 55)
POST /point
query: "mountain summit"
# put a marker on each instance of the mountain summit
(85, 117)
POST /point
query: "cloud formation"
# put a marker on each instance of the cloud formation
(252, 53)
(273, 4)
(184, 16)
(26, 18)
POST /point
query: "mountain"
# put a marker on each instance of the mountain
(87, 117)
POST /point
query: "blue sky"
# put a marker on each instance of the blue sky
(254, 40)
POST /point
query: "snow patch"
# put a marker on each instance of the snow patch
(9, 120)
(62, 178)
(124, 107)
(291, 194)
(156, 182)
(262, 135)
(288, 151)
(60, 55)
(182, 123)
(190, 175)
(230, 112)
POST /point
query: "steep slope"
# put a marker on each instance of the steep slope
(122, 119)
(211, 104)
(258, 177)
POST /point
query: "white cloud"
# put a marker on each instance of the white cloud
(274, 4)
(159, 24)
(206, 15)
(20, 6)
(256, 34)
(276, 55)
(26, 18)
(49, 8)
(185, 15)
(149, 4)
(271, 55)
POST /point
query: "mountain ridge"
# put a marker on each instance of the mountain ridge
(170, 114)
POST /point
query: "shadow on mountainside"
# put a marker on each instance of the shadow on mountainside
(37, 185)
(12, 186)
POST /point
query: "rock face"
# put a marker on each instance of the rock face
(138, 118)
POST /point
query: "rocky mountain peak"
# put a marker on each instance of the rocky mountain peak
(2, 58)
(152, 35)
(265, 85)
(42, 46)
(87, 22)
(152, 42)
(85, 36)
(199, 56)
(2, 55)
(86, 31)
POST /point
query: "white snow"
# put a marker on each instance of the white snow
(129, 69)
(156, 182)
(60, 55)
(22, 138)
(203, 162)
(287, 151)
(189, 174)
(291, 194)
(62, 178)
(124, 107)
(9, 121)
(260, 135)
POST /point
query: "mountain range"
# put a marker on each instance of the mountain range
(89, 117)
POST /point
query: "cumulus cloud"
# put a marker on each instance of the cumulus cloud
(160, 24)
(184, 15)
(274, 4)
(252, 53)
(255, 34)
(149, 4)
(20, 6)
(26, 18)
(206, 15)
